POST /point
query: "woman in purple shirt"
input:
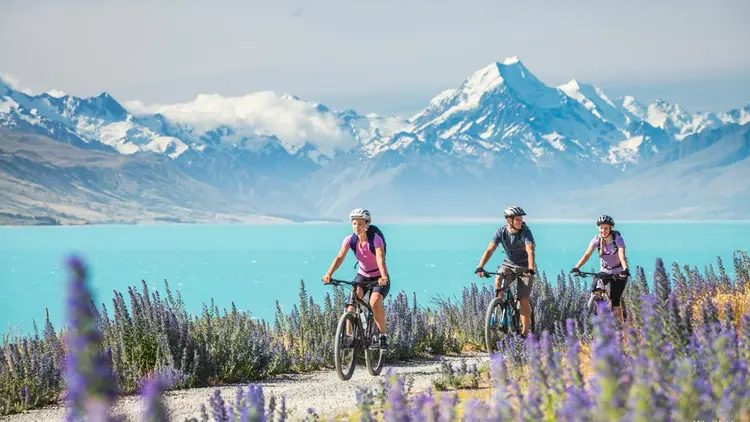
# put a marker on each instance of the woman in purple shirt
(612, 260)
(371, 266)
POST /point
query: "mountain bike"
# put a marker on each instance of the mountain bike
(503, 314)
(599, 293)
(364, 333)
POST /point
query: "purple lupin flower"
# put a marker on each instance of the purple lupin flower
(475, 411)
(155, 410)
(365, 401)
(423, 407)
(447, 411)
(733, 403)
(500, 408)
(694, 399)
(395, 405)
(91, 384)
(577, 405)
(642, 399)
(607, 363)
(534, 397)
(255, 403)
(216, 402)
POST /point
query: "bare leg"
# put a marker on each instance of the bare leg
(525, 315)
(378, 313)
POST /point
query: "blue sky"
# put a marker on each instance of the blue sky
(387, 56)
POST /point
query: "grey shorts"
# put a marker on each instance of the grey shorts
(525, 281)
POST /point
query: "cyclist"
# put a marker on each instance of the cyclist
(371, 267)
(518, 243)
(612, 260)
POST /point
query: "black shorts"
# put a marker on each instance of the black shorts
(617, 287)
(383, 290)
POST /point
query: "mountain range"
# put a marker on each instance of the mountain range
(500, 137)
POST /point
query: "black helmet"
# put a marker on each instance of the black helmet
(605, 219)
(513, 211)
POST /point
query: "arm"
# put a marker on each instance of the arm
(380, 257)
(585, 257)
(338, 260)
(621, 254)
(487, 254)
(530, 249)
(623, 260)
(532, 257)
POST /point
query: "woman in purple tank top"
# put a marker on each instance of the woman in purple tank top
(371, 267)
(612, 260)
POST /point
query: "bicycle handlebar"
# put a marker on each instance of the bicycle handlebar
(599, 274)
(336, 282)
(509, 271)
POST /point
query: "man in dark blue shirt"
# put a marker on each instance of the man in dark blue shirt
(518, 242)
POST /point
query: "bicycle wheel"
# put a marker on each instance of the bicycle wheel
(514, 320)
(374, 357)
(494, 323)
(341, 349)
(593, 304)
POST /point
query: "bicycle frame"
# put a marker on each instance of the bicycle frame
(600, 276)
(507, 281)
(606, 279)
(355, 301)
(361, 325)
(510, 304)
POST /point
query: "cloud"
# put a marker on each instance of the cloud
(14, 83)
(292, 120)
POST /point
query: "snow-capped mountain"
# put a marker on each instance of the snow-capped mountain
(703, 176)
(672, 118)
(294, 156)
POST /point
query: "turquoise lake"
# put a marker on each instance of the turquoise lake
(254, 265)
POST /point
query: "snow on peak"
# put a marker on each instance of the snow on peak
(570, 87)
(629, 100)
(480, 82)
(671, 118)
(56, 93)
(511, 61)
(634, 107)
(442, 96)
(527, 88)
(596, 101)
(663, 114)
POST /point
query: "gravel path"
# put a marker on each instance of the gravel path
(320, 390)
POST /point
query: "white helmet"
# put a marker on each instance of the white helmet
(513, 211)
(360, 213)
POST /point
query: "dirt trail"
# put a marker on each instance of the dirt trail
(320, 390)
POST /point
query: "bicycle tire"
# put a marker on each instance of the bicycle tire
(337, 346)
(372, 332)
(489, 338)
(515, 319)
